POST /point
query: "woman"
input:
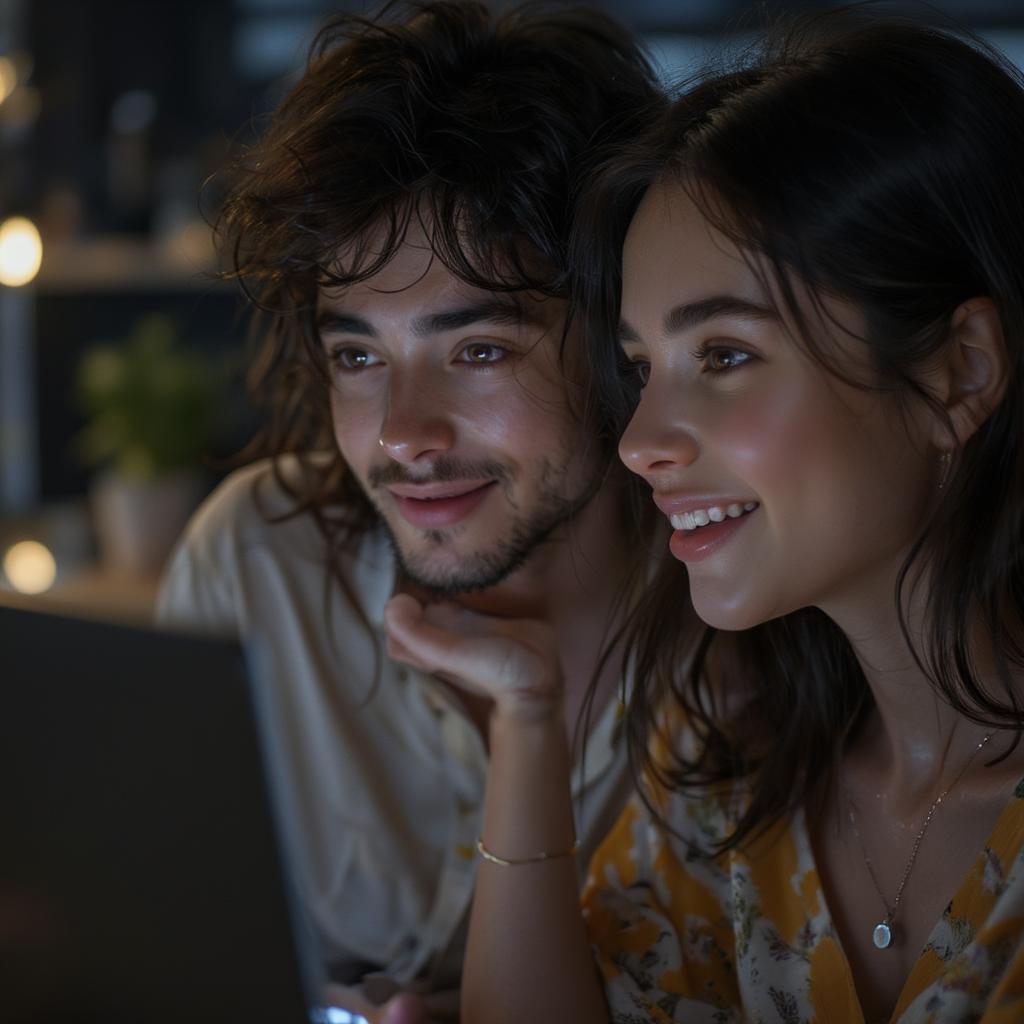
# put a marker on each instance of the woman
(822, 326)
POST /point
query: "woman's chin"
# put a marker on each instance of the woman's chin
(727, 615)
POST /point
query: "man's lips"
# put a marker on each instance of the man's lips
(436, 506)
(437, 490)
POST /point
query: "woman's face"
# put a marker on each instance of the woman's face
(785, 486)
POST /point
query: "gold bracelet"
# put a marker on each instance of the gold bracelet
(536, 859)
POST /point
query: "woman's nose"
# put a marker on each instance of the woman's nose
(655, 440)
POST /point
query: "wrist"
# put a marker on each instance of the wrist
(526, 710)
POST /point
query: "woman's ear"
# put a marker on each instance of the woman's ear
(974, 372)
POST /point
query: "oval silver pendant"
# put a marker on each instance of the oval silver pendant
(882, 936)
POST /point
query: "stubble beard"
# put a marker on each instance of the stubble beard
(481, 570)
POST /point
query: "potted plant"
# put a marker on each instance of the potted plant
(150, 405)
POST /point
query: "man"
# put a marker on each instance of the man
(403, 224)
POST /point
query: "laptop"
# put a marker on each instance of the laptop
(143, 870)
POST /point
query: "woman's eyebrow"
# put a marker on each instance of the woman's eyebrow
(691, 314)
(688, 315)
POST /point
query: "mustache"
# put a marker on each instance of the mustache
(442, 470)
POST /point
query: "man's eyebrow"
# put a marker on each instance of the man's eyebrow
(688, 315)
(330, 321)
(491, 311)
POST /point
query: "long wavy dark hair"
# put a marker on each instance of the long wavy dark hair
(475, 125)
(880, 162)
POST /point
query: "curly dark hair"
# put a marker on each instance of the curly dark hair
(471, 125)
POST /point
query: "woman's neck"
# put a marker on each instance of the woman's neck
(911, 740)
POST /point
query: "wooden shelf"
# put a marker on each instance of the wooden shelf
(126, 264)
(94, 594)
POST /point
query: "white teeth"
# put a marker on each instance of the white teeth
(715, 514)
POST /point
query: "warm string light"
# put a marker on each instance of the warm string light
(21, 252)
(29, 566)
(8, 77)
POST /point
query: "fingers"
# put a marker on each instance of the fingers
(405, 613)
(353, 1000)
(434, 1008)
(508, 660)
(444, 640)
(455, 619)
(403, 609)
(415, 640)
(402, 616)
(405, 1009)
(443, 1005)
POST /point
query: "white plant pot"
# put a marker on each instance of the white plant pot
(137, 522)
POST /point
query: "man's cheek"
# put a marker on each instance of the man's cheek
(355, 437)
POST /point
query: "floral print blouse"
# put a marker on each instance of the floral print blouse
(746, 936)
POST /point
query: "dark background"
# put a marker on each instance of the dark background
(129, 106)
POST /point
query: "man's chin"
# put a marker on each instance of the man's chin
(446, 563)
(462, 573)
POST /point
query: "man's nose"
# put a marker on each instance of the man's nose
(417, 424)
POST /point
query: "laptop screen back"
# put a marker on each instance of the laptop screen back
(140, 878)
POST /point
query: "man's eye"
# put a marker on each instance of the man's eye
(480, 353)
(353, 359)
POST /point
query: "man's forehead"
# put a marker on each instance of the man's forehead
(414, 271)
(417, 288)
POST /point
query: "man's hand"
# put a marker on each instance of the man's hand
(402, 1008)
(512, 661)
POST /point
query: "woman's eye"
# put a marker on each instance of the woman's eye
(721, 358)
(633, 370)
(352, 360)
(639, 370)
(481, 353)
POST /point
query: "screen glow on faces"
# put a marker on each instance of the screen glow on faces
(451, 408)
(785, 487)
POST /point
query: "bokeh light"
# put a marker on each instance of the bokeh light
(29, 566)
(8, 77)
(21, 251)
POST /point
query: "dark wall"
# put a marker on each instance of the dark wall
(88, 53)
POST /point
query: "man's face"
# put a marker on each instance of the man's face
(451, 408)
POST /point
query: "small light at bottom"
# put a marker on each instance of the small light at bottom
(29, 566)
(335, 1015)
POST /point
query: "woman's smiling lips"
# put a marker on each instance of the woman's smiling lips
(434, 506)
(702, 524)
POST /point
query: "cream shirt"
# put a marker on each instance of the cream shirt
(385, 784)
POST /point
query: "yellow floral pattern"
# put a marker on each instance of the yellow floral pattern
(682, 936)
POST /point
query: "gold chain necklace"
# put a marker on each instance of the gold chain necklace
(883, 933)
